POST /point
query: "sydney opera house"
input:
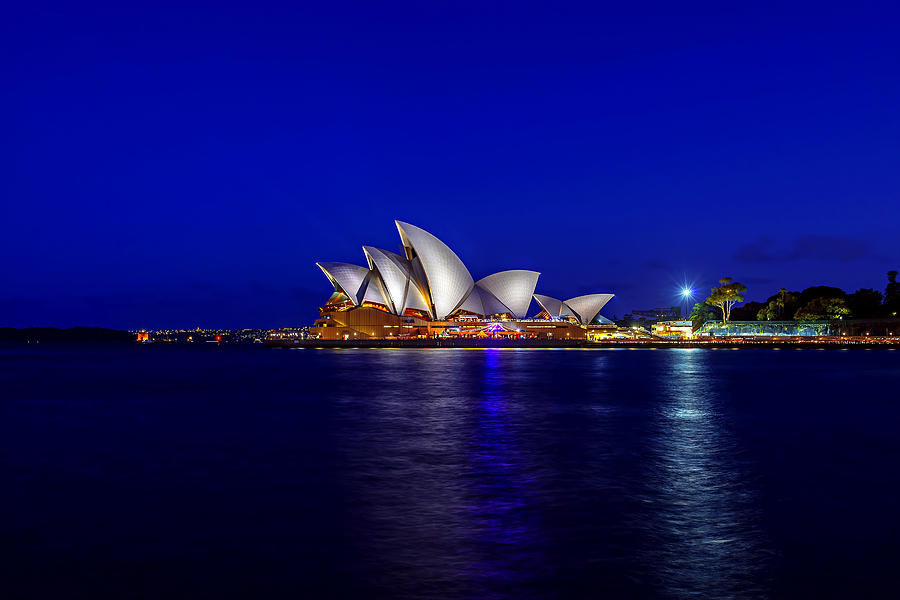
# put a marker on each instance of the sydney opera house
(429, 292)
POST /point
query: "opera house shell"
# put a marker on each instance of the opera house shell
(431, 283)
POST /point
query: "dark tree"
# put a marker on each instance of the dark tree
(892, 295)
(820, 291)
(780, 307)
(747, 312)
(865, 303)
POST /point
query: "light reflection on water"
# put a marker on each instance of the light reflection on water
(242, 472)
(706, 539)
(492, 478)
(498, 500)
(402, 453)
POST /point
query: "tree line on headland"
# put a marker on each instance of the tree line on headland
(817, 303)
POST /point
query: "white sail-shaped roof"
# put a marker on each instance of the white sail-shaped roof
(473, 303)
(345, 277)
(482, 302)
(432, 279)
(492, 305)
(394, 274)
(415, 301)
(586, 308)
(513, 289)
(418, 280)
(447, 281)
(551, 306)
(373, 290)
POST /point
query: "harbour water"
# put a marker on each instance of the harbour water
(158, 471)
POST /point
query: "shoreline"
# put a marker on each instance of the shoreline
(584, 344)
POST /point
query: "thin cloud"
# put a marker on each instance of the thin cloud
(758, 280)
(658, 265)
(807, 247)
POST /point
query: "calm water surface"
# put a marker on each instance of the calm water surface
(154, 471)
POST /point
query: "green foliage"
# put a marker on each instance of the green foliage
(726, 295)
(701, 313)
(780, 307)
(774, 308)
(824, 302)
(819, 309)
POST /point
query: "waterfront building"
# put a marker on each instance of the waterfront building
(758, 329)
(429, 292)
(673, 329)
(606, 330)
(881, 327)
(839, 328)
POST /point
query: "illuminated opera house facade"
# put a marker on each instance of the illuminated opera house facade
(429, 292)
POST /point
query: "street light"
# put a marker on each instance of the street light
(686, 295)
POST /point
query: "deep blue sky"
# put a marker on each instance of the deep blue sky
(187, 165)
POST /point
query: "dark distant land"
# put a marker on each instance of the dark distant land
(55, 334)
(32, 335)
